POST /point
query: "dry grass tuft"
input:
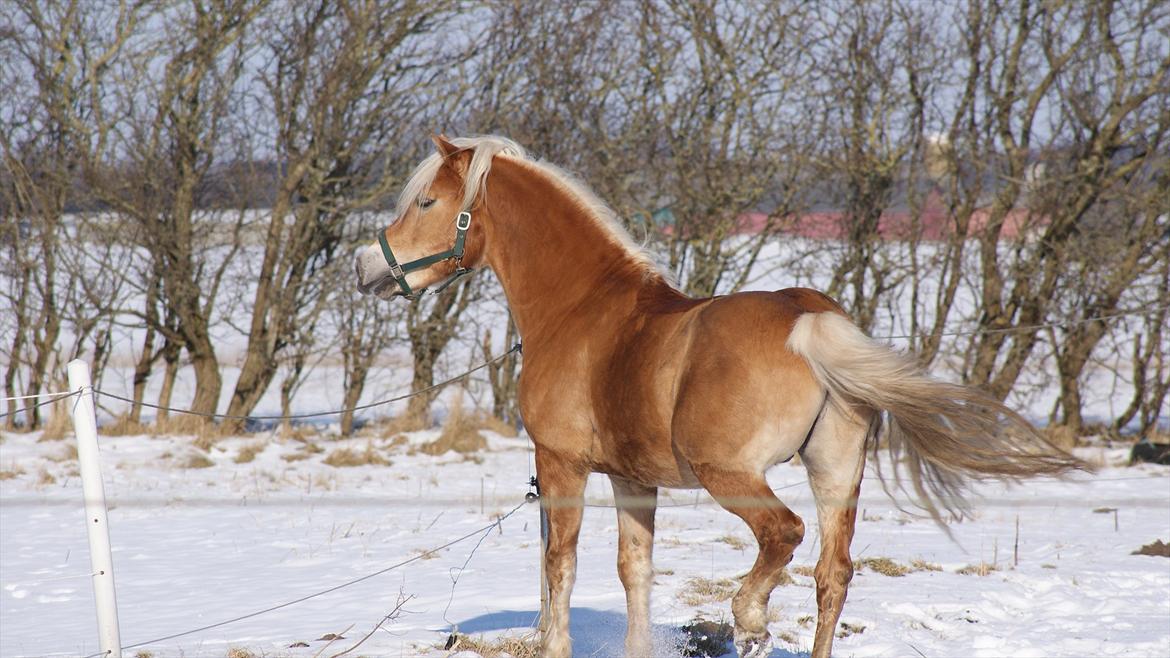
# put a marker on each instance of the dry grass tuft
(45, 478)
(300, 432)
(407, 422)
(788, 637)
(803, 570)
(10, 473)
(123, 426)
(236, 652)
(460, 434)
(143, 653)
(1157, 548)
(343, 457)
(492, 424)
(308, 449)
(249, 451)
(205, 431)
(207, 440)
(850, 629)
(181, 424)
(194, 459)
(525, 646)
(700, 591)
(883, 565)
(785, 578)
(981, 569)
(1061, 436)
(733, 541)
(806, 620)
(67, 453)
(397, 441)
(922, 565)
(59, 425)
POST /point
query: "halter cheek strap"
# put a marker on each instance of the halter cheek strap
(399, 272)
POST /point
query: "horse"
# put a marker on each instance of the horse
(626, 376)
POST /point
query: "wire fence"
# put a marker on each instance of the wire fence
(415, 502)
(282, 417)
(1034, 327)
(518, 348)
(481, 532)
(318, 414)
(57, 397)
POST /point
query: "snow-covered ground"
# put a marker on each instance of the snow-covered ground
(196, 546)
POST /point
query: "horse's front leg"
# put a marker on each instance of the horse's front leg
(562, 487)
(636, 505)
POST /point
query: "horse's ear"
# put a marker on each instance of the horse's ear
(457, 158)
(446, 148)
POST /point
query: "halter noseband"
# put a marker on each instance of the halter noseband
(399, 272)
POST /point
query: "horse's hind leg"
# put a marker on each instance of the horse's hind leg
(635, 508)
(778, 531)
(562, 488)
(835, 458)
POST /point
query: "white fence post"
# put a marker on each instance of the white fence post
(100, 559)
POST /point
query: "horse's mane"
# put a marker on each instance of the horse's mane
(486, 147)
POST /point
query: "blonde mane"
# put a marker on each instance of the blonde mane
(484, 149)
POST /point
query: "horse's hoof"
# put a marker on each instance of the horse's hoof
(754, 647)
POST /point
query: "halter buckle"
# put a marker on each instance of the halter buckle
(463, 221)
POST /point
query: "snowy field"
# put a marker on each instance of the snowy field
(196, 546)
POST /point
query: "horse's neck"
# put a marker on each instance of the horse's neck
(554, 261)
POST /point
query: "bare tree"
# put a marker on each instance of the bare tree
(717, 100)
(503, 376)
(365, 329)
(159, 166)
(430, 326)
(1149, 359)
(57, 55)
(874, 101)
(343, 83)
(1105, 152)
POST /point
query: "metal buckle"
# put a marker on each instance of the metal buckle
(463, 221)
(396, 271)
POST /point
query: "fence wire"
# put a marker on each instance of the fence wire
(1034, 327)
(58, 397)
(517, 348)
(482, 532)
(272, 608)
(336, 412)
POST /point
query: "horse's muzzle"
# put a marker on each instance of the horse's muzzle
(369, 282)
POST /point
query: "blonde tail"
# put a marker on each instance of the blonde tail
(946, 433)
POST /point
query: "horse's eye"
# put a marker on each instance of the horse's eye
(425, 203)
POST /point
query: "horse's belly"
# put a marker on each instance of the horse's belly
(648, 458)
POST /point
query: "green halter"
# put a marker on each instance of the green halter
(399, 272)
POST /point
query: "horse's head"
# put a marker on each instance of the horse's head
(435, 237)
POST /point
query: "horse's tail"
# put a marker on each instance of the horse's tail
(945, 433)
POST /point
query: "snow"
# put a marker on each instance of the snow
(193, 547)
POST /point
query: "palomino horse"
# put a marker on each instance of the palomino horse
(625, 375)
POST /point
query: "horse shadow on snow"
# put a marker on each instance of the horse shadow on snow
(596, 633)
